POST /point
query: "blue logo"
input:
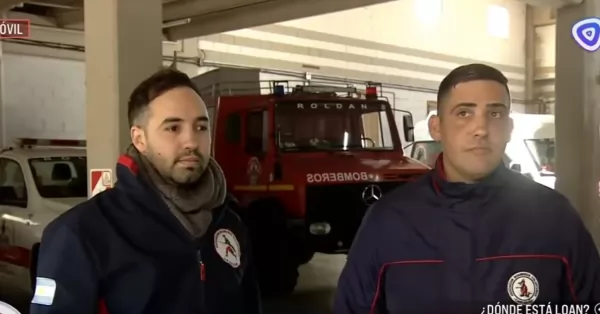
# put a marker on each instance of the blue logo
(587, 33)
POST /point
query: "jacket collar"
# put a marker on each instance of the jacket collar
(460, 189)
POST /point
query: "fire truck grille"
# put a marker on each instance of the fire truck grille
(343, 208)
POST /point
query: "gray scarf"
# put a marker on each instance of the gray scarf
(191, 206)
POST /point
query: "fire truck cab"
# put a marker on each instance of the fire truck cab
(305, 161)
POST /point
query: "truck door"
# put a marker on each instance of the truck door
(13, 204)
(256, 143)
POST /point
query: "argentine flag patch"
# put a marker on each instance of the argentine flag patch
(45, 289)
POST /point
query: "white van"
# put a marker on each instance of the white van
(530, 150)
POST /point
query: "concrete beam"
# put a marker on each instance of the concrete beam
(186, 9)
(6, 5)
(34, 19)
(56, 29)
(551, 3)
(263, 13)
(185, 48)
(174, 11)
(57, 35)
(70, 18)
(75, 37)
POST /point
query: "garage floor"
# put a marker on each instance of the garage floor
(313, 295)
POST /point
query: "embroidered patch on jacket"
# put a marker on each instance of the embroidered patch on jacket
(228, 247)
(6, 308)
(523, 288)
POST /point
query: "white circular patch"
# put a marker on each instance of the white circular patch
(6, 308)
(523, 288)
(228, 247)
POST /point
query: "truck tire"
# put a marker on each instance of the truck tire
(306, 257)
(304, 253)
(275, 262)
(33, 259)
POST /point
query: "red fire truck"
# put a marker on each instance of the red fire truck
(305, 161)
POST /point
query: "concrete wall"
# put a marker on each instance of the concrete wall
(402, 44)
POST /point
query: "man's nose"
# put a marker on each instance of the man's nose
(190, 139)
(480, 126)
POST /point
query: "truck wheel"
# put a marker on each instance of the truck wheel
(306, 257)
(299, 241)
(275, 262)
(33, 259)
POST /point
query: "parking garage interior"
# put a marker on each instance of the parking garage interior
(115, 44)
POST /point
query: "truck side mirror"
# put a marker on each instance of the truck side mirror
(407, 123)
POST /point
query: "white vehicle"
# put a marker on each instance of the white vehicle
(530, 150)
(39, 180)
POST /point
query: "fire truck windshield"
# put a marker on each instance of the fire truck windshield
(338, 126)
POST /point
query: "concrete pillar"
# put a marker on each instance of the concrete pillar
(123, 46)
(578, 116)
(530, 101)
(3, 139)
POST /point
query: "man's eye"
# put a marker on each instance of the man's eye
(496, 114)
(202, 128)
(462, 113)
(172, 128)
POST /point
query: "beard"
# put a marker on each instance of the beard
(176, 174)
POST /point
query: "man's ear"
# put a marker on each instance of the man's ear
(138, 138)
(434, 128)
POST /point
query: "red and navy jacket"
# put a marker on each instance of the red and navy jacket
(432, 246)
(124, 252)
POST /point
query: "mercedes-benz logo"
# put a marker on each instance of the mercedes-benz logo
(371, 194)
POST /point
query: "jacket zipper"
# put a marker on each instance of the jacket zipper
(202, 269)
(202, 276)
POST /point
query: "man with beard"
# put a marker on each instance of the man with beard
(471, 233)
(161, 240)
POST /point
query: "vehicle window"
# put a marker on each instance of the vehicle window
(542, 151)
(327, 126)
(426, 152)
(374, 124)
(13, 190)
(233, 128)
(60, 177)
(408, 149)
(255, 132)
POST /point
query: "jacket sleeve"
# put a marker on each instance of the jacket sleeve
(66, 274)
(584, 264)
(357, 286)
(252, 298)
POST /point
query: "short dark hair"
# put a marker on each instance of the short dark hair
(468, 73)
(154, 86)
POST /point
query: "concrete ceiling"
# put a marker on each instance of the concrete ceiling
(188, 18)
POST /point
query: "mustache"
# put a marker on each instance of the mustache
(189, 154)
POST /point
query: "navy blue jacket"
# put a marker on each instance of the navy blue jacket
(123, 252)
(437, 247)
